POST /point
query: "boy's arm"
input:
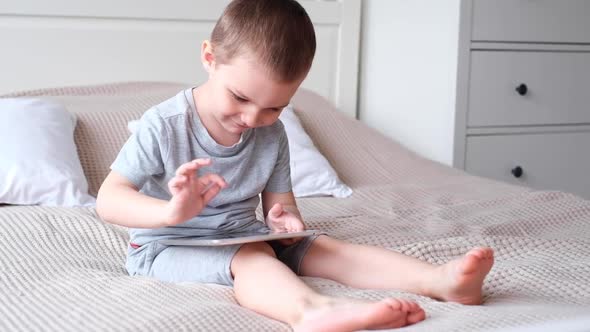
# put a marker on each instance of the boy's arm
(119, 202)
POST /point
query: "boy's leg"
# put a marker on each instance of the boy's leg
(264, 284)
(365, 266)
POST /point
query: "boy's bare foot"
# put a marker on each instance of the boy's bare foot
(461, 280)
(344, 315)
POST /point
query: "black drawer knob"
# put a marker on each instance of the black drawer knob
(517, 171)
(522, 89)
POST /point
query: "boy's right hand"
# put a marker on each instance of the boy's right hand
(189, 193)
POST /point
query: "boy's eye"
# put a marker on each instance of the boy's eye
(238, 98)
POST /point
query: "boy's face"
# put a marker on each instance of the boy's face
(245, 96)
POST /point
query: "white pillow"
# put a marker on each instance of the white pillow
(39, 162)
(311, 173)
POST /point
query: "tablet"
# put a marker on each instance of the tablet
(237, 238)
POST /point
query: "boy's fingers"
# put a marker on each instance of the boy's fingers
(208, 180)
(201, 162)
(276, 210)
(177, 181)
(209, 194)
(175, 184)
(192, 166)
(295, 227)
(186, 169)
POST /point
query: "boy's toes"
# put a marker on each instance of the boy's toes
(416, 316)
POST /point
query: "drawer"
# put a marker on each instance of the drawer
(552, 21)
(556, 161)
(557, 88)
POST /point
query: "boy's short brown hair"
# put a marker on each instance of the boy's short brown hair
(278, 32)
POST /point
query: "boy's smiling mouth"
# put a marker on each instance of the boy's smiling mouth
(241, 126)
(238, 128)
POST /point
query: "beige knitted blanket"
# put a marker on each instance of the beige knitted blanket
(62, 269)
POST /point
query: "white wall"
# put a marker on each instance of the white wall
(408, 72)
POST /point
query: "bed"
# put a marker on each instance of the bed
(62, 268)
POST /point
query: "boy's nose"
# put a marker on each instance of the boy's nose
(250, 118)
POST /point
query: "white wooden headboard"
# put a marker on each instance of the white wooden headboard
(48, 43)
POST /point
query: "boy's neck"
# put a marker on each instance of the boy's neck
(205, 113)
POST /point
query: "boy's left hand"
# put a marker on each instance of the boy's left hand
(281, 220)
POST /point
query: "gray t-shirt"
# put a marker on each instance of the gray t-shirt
(171, 134)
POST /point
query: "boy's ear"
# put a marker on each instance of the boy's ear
(207, 57)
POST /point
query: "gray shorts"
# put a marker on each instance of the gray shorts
(202, 264)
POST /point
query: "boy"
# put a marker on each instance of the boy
(260, 52)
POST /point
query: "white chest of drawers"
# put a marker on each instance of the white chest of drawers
(523, 93)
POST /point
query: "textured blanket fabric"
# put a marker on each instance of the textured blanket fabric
(62, 269)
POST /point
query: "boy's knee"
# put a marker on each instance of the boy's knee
(329, 243)
(249, 253)
(255, 248)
